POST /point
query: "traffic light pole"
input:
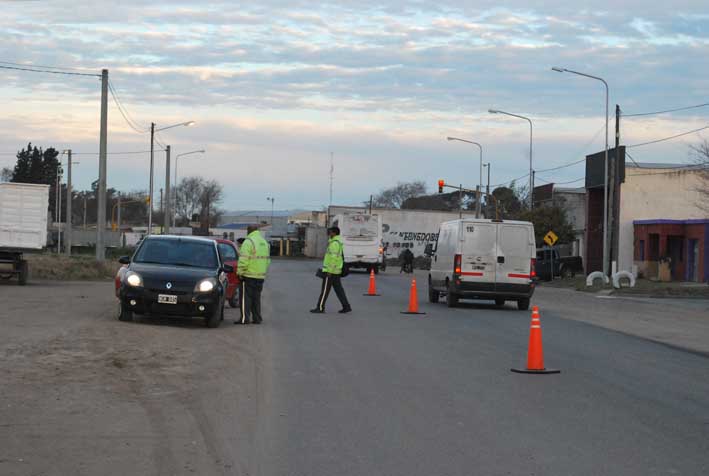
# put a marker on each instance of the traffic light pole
(461, 189)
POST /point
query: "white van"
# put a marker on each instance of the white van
(483, 259)
(362, 239)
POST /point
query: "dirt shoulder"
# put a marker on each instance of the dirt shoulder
(70, 268)
(643, 288)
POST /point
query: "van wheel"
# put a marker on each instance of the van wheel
(499, 302)
(433, 295)
(452, 299)
(523, 304)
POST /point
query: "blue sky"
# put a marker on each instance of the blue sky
(274, 87)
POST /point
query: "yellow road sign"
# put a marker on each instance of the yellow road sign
(550, 238)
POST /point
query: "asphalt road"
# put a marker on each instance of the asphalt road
(374, 392)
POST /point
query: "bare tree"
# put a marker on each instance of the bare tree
(196, 196)
(211, 196)
(395, 196)
(701, 160)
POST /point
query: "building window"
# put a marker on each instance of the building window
(641, 253)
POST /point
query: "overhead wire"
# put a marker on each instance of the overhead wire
(133, 124)
(667, 138)
(666, 110)
(36, 70)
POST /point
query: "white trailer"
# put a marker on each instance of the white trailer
(362, 239)
(23, 226)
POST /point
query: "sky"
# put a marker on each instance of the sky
(275, 87)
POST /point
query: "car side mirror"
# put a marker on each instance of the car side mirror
(428, 251)
(124, 260)
(227, 268)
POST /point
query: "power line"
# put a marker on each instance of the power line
(632, 159)
(563, 166)
(34, 70)
(667, 110)
(509, 181)
(25, 65)
(124, 111)
(667, 138)
(130, 152)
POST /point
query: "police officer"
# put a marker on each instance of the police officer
(332, 268)
(254, 260)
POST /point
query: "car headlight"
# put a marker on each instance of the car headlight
(134, 279)
(205, 286)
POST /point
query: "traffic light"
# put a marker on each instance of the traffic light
(441, 183)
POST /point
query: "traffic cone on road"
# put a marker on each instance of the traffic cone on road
(372, 285)
(535, 353)
(413, 300)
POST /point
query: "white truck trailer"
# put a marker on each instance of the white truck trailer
(23, 226)
(362, 239)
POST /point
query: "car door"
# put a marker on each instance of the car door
(228, 255)
(479, 253)
(514, 256)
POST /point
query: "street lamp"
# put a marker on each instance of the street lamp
(605, 167)
(531, 175)
(174, 193)
(152, 162)
(478, 204)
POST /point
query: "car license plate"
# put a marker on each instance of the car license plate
(167, 299)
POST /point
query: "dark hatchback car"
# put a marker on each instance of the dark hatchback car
(173, 276)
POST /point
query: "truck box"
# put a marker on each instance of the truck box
(23, 216)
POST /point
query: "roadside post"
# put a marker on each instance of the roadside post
(550, 238)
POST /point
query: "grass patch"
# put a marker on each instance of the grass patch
(70, 268)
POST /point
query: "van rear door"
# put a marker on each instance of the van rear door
(514, 256)
(478, 252)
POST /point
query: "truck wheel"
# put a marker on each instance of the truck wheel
(23, 269)
(213, 320)
(433, 295)
(499, 302)
(523, 304)
(566, 272)
(124, 314)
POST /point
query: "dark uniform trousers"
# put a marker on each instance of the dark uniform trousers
(251, 299)
(332, 281)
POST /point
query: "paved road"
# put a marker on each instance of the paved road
(371, 393)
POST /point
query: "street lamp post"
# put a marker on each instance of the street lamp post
(272, 200)
(478, 204)
(153, 130)
(174, 192)
(605, 167)
(531, 183)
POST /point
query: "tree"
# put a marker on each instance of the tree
(394, 197)
(701, 160)
(6, 174)
(509, 205)
(197, 197)
(441, 201)
(37, 166)
(546, 218)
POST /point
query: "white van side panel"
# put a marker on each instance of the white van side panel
(442, 267)
(479, 253)
(516, 246)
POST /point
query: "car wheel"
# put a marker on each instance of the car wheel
(433, 295)
(234, 301)
(523, 304)
(124, 314)
(499, 302)
(214, 319)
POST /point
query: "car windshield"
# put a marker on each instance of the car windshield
(177, 253)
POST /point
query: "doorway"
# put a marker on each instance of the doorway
(693, 260)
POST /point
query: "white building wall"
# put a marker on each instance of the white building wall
(654, 194)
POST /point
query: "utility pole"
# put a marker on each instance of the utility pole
(67, 228)
(58, 208)
(167, 208)
(118, 213)
(150, 193)
(332, 171)
(84, 212)
(613, 190)
(488, 178)
(162, 209)
(101, 202)
(460, 201)
(531, 191)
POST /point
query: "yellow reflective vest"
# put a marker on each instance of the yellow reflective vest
(254, 257)
(334, 259)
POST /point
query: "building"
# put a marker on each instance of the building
(661, 220)
(278, 221)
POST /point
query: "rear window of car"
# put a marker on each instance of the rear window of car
(177, 253)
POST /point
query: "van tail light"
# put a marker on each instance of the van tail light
(532, 268)
(381, 250)
(457, 262)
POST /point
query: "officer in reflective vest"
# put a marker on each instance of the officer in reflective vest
(254, 260)
(332, 269)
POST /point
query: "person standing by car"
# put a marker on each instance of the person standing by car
(332, 271)
(254, 260)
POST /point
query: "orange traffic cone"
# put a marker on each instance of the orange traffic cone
(535, 354)
(413, 300)
(372, 285)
